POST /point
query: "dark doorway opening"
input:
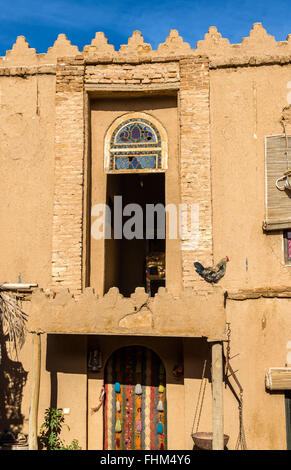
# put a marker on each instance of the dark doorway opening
(126, 259)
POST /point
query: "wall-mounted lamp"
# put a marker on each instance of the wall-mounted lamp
(95, 362)
(178, 371)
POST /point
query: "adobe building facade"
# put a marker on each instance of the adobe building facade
(221, 119)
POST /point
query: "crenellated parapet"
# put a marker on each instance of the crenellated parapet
(193, 314)
(258, 48)
(61, 48)
(135, 46)
(99, 47)
(213, 43)
(21, 53)
(173, 45)
(259, 40)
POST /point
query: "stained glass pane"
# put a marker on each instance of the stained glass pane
(135, 145)
(135, 132)
(135, 162)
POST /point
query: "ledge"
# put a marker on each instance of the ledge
(215, 62)
(283, 292)
(221, 62)
(272, 225)
(100, 88)
(23, 70)
(193, 314)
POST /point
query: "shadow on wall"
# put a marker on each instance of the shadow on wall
(66, 354)
(197, 356)
(190, 353)
(13, 378)
(69, 354)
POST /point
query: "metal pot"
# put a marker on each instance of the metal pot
(203, 440)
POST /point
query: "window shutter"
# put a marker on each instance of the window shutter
(278, 203)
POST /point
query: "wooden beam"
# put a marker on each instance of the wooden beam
(217, 397)
(34, 398)
(262, 292)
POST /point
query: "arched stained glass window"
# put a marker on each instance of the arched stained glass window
(135, 144)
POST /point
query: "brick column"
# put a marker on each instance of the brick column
(68, 191)
(195, 162)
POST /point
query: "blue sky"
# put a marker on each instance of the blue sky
(41, 21)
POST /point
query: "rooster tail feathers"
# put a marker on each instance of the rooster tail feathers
(199, 267)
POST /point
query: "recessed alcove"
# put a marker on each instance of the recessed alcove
(125, 259)
(121, 262)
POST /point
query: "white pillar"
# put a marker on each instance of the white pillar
(34, 398)
(217, 397)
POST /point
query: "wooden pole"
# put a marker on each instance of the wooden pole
(217, 397)
(34, 399)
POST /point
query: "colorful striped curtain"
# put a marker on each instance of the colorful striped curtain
(135, 408)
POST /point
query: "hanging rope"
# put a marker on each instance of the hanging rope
(200, 400)
(228, 332)
(241, 443)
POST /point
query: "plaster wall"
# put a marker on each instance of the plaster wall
(246, 105)
(27, 119)
(260, 331)
(63, 382)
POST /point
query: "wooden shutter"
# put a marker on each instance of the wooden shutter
(278, 203)
(278, 378)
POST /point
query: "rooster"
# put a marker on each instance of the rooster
(214, 274)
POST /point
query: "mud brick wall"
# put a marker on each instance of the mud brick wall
(195, 162)
(68, 192)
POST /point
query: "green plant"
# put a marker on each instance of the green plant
(51, 429)
(73, 446)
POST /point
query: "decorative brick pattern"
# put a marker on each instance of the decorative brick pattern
(143, 74)
(195, 161)
(68, 195)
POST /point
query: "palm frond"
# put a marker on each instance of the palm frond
(13, 320)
